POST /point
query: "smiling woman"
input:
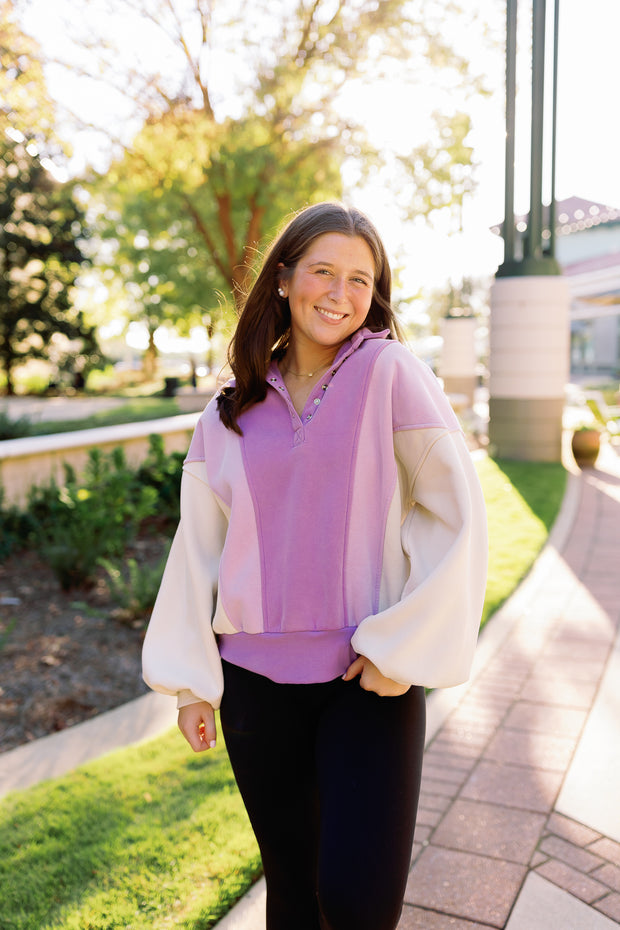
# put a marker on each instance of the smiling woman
(359, 289)
(329, 564)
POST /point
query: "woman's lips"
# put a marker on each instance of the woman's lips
(330, 315)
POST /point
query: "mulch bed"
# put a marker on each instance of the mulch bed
(63, 656)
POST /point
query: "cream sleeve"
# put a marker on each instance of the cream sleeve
(429, 636)
(180, 655)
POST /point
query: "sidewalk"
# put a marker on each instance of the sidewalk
(519, 821)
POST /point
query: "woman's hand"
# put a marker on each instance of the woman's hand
(371, 678)
(197, 724)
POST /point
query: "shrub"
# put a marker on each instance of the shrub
(163, 473)
(134, 587)
(90, 519)
(14, 429)
(15, 528)
(95, 516)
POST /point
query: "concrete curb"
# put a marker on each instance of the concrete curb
(54, 755)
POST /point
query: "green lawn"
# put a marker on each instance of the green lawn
(148, 837)
(156, 837)
(133, 411)
(523, 499)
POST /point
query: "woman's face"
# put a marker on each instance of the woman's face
(330, 290)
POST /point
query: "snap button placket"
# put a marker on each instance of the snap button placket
(313, 402)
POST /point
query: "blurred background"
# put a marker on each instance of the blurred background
(150, 148)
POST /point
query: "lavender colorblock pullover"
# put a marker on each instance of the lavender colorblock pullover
(356, 528)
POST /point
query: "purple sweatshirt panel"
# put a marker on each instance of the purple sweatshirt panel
(299, 658)
(300, 473)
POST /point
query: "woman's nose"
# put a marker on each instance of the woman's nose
(337, 289)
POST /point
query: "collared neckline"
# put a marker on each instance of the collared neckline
(351, 345)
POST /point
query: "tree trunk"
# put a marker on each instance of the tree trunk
(149, 359)
(10, 386)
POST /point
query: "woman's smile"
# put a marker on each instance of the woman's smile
(337, 317)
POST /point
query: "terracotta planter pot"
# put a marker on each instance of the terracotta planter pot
(586, 445)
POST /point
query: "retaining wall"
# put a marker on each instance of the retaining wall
(35, 460)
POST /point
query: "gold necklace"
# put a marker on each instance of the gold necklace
(309, 374)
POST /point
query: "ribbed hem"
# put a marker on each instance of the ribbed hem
(291, 658)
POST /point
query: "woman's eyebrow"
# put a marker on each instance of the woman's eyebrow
(330, 265)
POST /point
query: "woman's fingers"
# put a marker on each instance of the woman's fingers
(354, 669)
(197, 724)
(371, 679)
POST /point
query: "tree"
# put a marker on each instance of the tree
(173, 239)
(25, 105)
(440, 172)
(245, 123)
(40, 259)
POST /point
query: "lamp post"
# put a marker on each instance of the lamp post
(529, 330)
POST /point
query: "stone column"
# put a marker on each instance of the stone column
(529, 366)
(457, 365)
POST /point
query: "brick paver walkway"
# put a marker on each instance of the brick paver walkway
(495, 768)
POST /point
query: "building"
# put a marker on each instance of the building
(588, 250)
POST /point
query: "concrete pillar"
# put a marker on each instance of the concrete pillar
(528, 366)
(457, 365)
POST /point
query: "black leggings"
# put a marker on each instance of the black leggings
(330, 777)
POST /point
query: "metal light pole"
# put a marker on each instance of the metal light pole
(511, 97)
(529, 298)
(534, 260)
(554, 121)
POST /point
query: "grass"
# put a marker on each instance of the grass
(523, 499)
(148, 837)
(133, 411)
(156, 837)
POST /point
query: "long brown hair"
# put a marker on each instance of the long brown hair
(264, 326)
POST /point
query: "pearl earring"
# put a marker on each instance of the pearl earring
(281, 291)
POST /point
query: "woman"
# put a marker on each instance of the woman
(329, 565)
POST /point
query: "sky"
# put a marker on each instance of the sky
(588, 136)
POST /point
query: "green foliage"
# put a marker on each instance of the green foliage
(601, 422)
(187, 210)
(41, 226)
(15, 527)
(25, 105)
(163, 472)
(133, 411)
(134, 587)
(89, 519)
(148, 837)
(439, 172)
(14, 429)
